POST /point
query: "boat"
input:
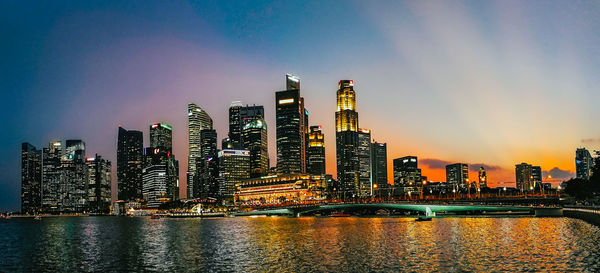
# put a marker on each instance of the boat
(420, 219)
(37, 218)
(339, 214)
(155, 216)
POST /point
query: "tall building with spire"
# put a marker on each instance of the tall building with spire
(291, 130)
(198, 120)
(346, 134)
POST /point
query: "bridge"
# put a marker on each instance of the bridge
(424, 209)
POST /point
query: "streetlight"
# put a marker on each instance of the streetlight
(375, 189)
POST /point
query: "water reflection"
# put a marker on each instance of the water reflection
(299, 244)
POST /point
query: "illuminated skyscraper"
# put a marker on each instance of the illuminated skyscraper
(31, 179)
(457, 176)
(379, 164)
(130, 158)
(407, 172)
(364, 163)
(161, 136)
(51, 177)
(346, 124)
(254, 137)
(524, 177)
(206, 181)
(234, 167)
(315, 151)
(291, 131)
(482, 178)
(583, 163)
(198, 120)
(235, 123)
(98, 183)
(73, 188)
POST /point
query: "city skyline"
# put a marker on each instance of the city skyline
(416, 108)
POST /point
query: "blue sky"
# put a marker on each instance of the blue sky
(489, 82)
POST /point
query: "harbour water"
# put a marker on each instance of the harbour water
(311, 244)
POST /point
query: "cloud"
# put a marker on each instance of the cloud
(557, 173)
(590, 140)
(475, 167)
(433, 163)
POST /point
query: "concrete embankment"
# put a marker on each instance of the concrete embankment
(591, 216)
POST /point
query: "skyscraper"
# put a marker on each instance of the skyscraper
(206, 181)
(161, 136)
(31, 179)
(234, 167)
(198, 120)
(73, 188)
(364, 162)
(379, 163)
(524, 177)
(99, 182)
(130, 157)
(291, 139)
(51, 177)
(254, 137)
(315, 151)
(482, 178)
(160, 176)
(407, 172)
(457, 176)
(536, 176)
(346, 124)
(583, 163)
(235, 123)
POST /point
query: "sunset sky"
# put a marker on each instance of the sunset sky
(479, 82)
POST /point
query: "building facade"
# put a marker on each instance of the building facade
(161, 136)
(276, 189)
(51, 177)
(524, 177)
(254, 138)
(315, 151)
(346, 124)
(31, 179)
(130, 158)
(198, 120)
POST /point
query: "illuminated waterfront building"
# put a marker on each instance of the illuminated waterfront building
(524, 177)
(364, 163)
(73, 188)
(198, 120)
(583, 163)
(98, 183)
(379, 163)
(51, 176)
(346, 125)
(31, 179)
(482, 178)
(234, 167)
(160, 176)
(254, 137)
(457, 176)
(130, 158)
(281, 188)
(315, 151)
(407, 172)
(290, 128)
(161, 136)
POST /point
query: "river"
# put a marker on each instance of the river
(278, 244)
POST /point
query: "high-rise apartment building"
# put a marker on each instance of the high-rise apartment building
(584, 163)
(524, 177)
